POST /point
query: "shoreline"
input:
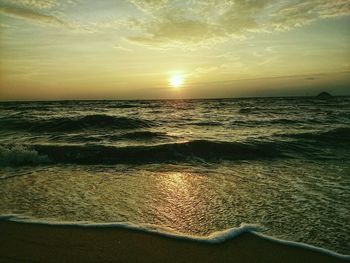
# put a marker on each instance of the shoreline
(37, 242)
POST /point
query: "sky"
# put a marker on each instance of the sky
(155, 49)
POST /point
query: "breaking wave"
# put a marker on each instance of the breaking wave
(200, 150)
(191, 151)
(19, 155)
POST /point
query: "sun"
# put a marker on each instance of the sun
(176, 80)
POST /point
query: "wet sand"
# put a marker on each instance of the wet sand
(24, 242)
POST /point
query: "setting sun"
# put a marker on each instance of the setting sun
(176, 80)
(217, 130)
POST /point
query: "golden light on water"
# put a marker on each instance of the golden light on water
(181, 202)
(176, 80)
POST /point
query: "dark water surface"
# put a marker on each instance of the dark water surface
(194, 166)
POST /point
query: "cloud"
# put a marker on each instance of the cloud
(199, 71)
(186, 24)
(300, 13)
(4, 25)
(197, 23)
(203, 23)
(38, 4)
(42, 12)
(117, 46)
(174, 28)
(311, 78)
(31, 15)
(149, 5)
(189, 24)
(334, 8)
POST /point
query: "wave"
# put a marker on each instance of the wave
(200, 150)
(270, 122)
(306, 146)
(191, 151)
(207, 123)
(213, 238)
(143, 135)
(146, 136)
(19, 155)
(97, 121)
(122, 106)
(341, 134)
(248, 110)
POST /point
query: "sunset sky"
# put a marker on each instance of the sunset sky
(142, 49)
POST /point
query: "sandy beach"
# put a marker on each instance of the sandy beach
(24, 242)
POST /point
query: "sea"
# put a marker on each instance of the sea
(280, 166)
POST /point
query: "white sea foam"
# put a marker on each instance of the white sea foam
(20, 155)
(213, 238)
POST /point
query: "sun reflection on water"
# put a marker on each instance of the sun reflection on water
(182, 206)
(176, 182)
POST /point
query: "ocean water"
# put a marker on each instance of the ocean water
(194, 167)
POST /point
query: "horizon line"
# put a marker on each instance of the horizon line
(161, 99)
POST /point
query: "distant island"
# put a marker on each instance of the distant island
(324, 95)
